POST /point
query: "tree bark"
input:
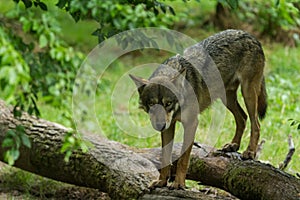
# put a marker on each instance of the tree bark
(125, 172)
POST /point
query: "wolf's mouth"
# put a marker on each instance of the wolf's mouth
(159, 127)
(160, 118)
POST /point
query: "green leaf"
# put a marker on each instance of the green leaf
(179, 47)
(76, 15)
(43, 41)
(9, 158)
(67, 156)
(26, 24)
(71, 140)
(172, 10)
(35, 107)
(233, 4)
(15, 154)
(27, 3)
(43, 6)
(154, 44)
(17, 112)
(163, 8)
(8, 142)
(61, 3)
(170, 39)
(25, 140)
(84, 146)
(20, 129)
(11, 133)
(97, 32)
(17, 142)
(13, 76)
(156, 12)
(65, 147)
(30, 110)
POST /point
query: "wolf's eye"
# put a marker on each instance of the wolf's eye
(150, 104)
(168, 103)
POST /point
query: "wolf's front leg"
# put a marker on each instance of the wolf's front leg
(183, 162)
(167, 137)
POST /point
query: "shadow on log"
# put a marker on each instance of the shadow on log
(125, 172)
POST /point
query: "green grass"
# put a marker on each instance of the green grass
(283, 83)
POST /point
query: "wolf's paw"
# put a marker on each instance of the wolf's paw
(231, 147)
(248, 155)
(177, 186)
(158, 184)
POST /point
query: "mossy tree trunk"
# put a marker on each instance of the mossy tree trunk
(125, 172)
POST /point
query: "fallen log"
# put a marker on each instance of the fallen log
(125, 172)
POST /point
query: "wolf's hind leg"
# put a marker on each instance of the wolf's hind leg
(240, 118)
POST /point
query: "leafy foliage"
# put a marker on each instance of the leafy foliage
(115, 15)
(36, 3)
(14, 72)
(43, 67)
(13, 141)
(269, 17)
(36, 67)
(73, 142)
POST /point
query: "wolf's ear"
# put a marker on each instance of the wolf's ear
(179, 79)
(139, 82)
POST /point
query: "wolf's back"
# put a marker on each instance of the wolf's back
(227, 48)
(229, 51)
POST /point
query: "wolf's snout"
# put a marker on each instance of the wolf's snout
(158, 117)
(159, 126)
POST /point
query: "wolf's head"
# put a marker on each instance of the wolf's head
(161, 97)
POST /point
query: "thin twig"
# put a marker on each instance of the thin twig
(289, 155)
(196, 144)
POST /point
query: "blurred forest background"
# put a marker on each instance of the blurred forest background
(44, 42)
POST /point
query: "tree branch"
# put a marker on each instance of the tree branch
(289, 155)
(125, 172)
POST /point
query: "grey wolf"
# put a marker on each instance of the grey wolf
(234, 56)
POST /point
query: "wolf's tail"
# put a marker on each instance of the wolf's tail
(262, 100)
